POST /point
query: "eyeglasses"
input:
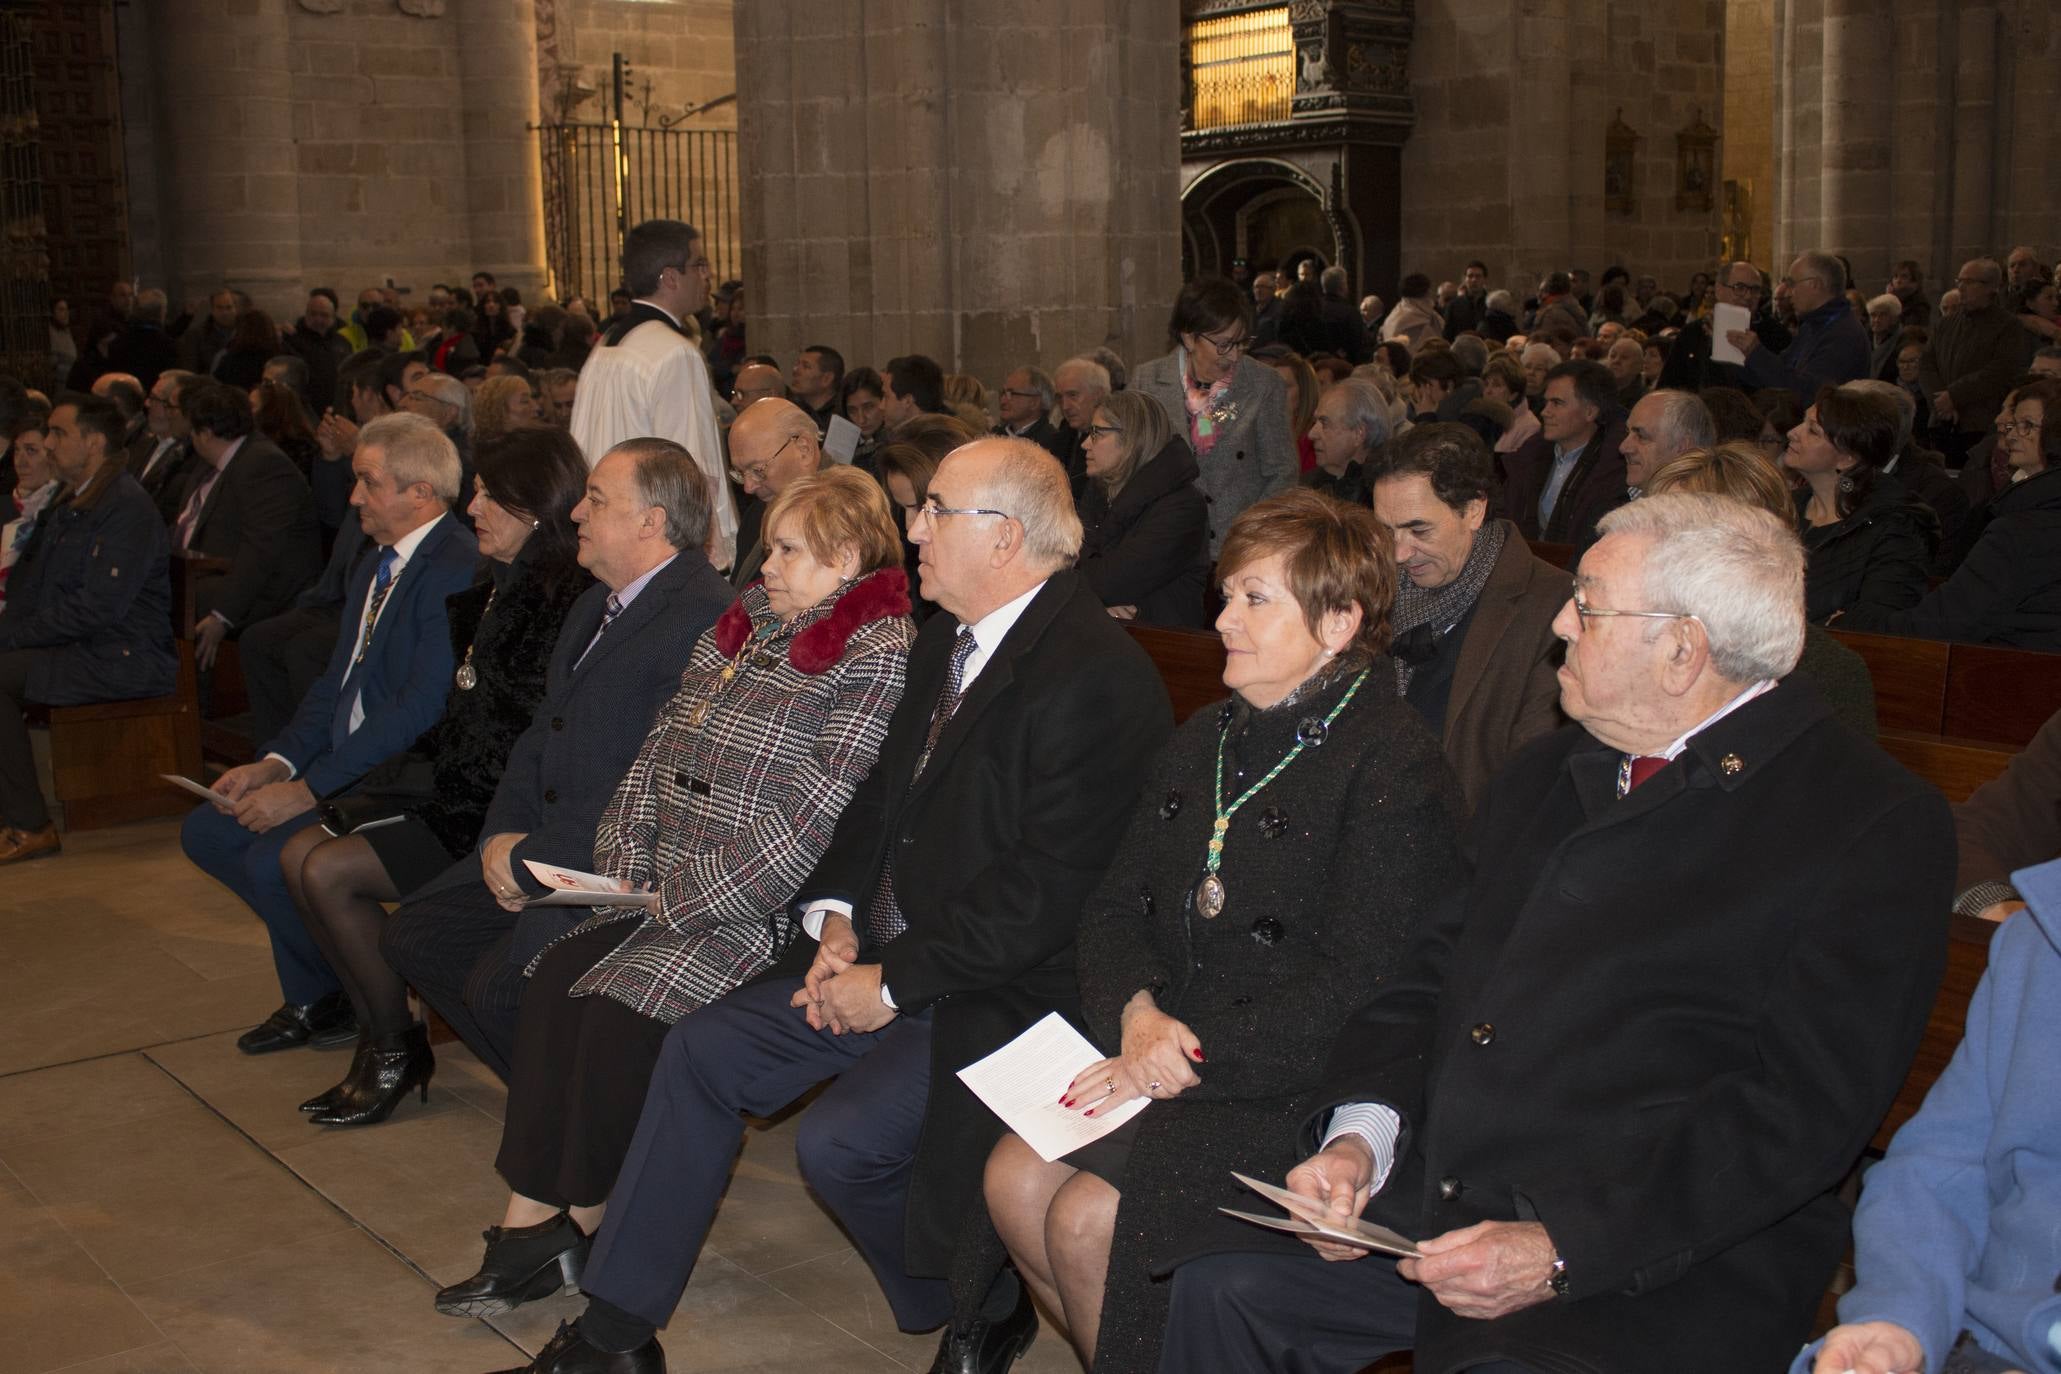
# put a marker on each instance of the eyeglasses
(1744, 288)
(2024, 429)
(931, 510)
(1103, 431)
(1020, 395)
(1587, 612)
(1229, 347)
(1794, 282)
(756, 474)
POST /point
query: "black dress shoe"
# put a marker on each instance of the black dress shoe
(329, 1021)
(569, 1353)
(328, 1098)
(522, 1264)
(381, 1077)
(984, 1347)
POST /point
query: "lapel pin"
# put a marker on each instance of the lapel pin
(1731, 764)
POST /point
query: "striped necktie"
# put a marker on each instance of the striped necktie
(884, 919)
(382, 583)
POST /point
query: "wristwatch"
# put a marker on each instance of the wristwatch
(1557, 1279)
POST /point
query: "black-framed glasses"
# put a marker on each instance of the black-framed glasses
(1021, 395)
(756, 474)
(1103, 431)
(931, 510)
(1228, 347)
(1587, 612)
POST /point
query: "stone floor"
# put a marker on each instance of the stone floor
(164, 1207)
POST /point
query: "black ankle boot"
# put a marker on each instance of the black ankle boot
(522, 1264)
(327, 1100)
(392, 1064)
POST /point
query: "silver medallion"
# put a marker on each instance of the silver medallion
(1209, 896)
(467, 678)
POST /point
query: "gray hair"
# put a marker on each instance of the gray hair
(415, 450)
(1032, 487)
(1365, 408)
(664, 474)
(1684, 418)
(1826, 267)
(1331, 281)
(1471, 354)
(1041, 382)
(1112, 365)
(1096, 372)
(1906, 404)
(1885, 301)
(1734, 567)
(1532, 348)
(453, 393)
(1502, 300)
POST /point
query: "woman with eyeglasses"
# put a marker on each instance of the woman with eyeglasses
(2008, 589)
(1234, 409)
(1288, 845)
(1869, 544)
(1145, 544)
(905, 469)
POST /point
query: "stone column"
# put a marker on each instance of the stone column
(224, 98)
(965, 178)
(1857, 122)
(2026, 197)
(1975, 133)
(1541, 170)
(504, 195)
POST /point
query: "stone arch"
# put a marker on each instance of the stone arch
(1258, 207)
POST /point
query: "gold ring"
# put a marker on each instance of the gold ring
(1109, 1088)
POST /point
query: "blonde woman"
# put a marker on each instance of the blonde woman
(1146, 523)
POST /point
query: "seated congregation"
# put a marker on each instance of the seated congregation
(1436, 911)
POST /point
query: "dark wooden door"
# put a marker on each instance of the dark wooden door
(78, 114)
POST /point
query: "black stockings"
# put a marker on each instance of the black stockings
(338, 884)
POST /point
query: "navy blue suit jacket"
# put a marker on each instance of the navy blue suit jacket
(593, 719)
(407, 671)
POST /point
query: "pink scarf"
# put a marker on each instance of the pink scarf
(1205, 404)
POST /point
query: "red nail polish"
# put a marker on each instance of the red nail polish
(1089, 1112)
(1198, 1055)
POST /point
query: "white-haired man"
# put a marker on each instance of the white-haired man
(1617, 1097)
(1662, 427)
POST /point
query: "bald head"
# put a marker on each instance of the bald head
(1013, 526)
(773, 443)
(757, 382)
(1980, 281)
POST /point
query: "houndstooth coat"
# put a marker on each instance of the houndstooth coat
(729, 816)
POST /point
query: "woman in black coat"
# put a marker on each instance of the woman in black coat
(1869, 544)
(2008, 589)
(502, 633)
(1145, 524)
(1221, 981)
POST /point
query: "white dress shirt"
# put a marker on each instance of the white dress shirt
(988, 633)
(655, 383)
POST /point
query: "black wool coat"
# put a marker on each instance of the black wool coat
(1664, 1026)
(1149, 545)
(996, 846)
(462, 755)
(1330, 874)
(1874, 561)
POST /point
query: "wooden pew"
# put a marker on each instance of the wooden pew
(105, 758)
(228, 697)
(1910, 678)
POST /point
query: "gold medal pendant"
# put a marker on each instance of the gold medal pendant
(467, 678)
(1209, 896)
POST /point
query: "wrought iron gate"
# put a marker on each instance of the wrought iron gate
(24, 258)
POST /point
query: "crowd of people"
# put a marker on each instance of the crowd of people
(821, 671)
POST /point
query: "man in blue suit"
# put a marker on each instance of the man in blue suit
(644, 528)
(385, 684)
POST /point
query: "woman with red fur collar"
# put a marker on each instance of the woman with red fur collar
(729, 804)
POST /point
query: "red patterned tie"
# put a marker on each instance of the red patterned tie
(1644, 766)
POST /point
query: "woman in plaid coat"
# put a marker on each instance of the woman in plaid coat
(731, 801)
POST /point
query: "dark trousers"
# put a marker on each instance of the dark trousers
(581, 1067)
(21, 796)
(451, 943)
(281, 659)
(752, 1052)
(248, 864)
(1292, 1314)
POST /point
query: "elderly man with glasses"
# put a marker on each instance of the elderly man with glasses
(773, 444)
(1689, 365)
(1972, 359)
(1643, 1047)
(1831, 344)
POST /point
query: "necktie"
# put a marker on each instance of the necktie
(884, 918)
(382, 583)
(1643, 766)
(190, 517)
(609, 612)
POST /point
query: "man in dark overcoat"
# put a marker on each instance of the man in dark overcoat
(1617, 1089)
(943, 914)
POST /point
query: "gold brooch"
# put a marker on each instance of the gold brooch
(1731, 763)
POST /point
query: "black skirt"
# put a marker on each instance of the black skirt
(409, 851)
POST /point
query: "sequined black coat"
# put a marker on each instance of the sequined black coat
(1328, 874)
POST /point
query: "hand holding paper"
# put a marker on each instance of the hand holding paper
(1313, 1222)
(571, 887)
(1024, 1081)
(1725, 321)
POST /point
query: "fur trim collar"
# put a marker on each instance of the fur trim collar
(819, 645)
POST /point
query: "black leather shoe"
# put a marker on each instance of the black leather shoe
(522, 1264)
(326, 1100)
(569, 1353)
(329, 1021)
(984, 1347)
(381, 1077)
